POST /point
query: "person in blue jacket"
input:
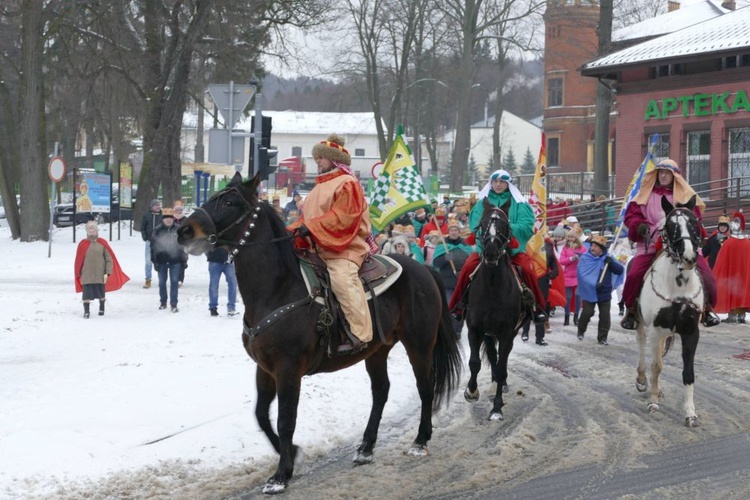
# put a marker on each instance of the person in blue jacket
(598, 275)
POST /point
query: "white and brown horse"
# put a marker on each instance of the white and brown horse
(671, 302)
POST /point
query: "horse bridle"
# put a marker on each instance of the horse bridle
(488, 238)
(213, 238)
(670, 240)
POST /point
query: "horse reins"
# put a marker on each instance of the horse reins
(668, 242)
(489, 238)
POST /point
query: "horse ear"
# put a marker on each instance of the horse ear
(251, 184)
(506, 207)
(690, 205)
(486, 204)
(666, 206)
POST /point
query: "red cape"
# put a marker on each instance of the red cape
(557, 289)
(732, 273)
(115, 281)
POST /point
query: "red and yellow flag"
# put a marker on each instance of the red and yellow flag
(538, 200)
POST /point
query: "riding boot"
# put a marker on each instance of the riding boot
(567, 320)
(709, 317)
(629, 322)
(101, 308)
(86, 313)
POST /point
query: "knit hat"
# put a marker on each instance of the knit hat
(559, 232)
(333, 149)
(92, 225)
(167, 212)
(669, 164)
(153, 203)
(600, 240)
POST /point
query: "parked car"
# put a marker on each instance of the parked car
(65, 212)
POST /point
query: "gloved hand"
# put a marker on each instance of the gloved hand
(574, 258)
(608, 259)
(302, 231)
(643, 229)
(599, 287)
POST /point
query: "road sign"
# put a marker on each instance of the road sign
(218, 147)
(239, 96)
(56, 169)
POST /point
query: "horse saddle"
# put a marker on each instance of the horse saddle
(377, 274)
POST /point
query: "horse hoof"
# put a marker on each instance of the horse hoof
(495, 416)
(361, 458)
(652, 407)
(471, 397)
(641, 386)
(274, 487)
(692, 422)
(418, 450)
(506, 389)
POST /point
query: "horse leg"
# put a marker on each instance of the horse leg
(490, 350)
(505, 346)
(377, 368)
(641, 382)
(657, 351)
(689, 346)
(471, 393)
(266, 387)
(288, 391)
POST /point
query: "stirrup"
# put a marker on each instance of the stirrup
(628, 322)
(348, 348)
(710, 319)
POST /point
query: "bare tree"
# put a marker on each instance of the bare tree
(474, 19)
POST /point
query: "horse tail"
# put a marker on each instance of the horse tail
(446, 356)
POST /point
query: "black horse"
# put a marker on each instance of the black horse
(495, 312)
(413, 311)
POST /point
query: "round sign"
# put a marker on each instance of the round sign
(372, 170)
(56, 169)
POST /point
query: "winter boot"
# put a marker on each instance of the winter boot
(567, 320)
(214, 312)
(629, 322)
(575, 319)
(147, 284)
(101, 308)
(86, 313)
(621, 305)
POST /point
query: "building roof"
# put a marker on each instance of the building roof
(725, 33)
(306, 122)
(313, 122)
(509, 118)
(687, 15)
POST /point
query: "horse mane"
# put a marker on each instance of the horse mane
(279, 230)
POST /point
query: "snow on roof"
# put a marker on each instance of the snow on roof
(490, 121)
(685, 16)
(730, 31)
(307, 122)
(313, 122)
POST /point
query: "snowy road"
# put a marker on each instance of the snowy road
(575, 427)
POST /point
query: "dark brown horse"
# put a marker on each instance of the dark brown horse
(413, 311)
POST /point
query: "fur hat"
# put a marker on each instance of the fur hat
(600, 240)
(669, 164)
(92, 225)
(333, 149)
(167, 212)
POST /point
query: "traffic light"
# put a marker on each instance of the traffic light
(265, 156)
(265, 153)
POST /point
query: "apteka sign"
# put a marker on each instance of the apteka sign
(697, 105)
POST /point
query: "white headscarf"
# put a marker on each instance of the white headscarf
(505, 176)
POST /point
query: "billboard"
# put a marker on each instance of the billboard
(93, 192)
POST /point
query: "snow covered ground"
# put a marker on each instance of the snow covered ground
(139, 393)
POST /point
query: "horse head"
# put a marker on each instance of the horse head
(681, 233)
(224, 220)
(495, 228)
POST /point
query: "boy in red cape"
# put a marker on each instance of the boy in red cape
(96, 269)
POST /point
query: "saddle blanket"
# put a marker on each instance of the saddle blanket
(380, 283)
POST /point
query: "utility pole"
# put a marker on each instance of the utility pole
(603, 106)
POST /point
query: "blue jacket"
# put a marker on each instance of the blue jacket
(590, 269)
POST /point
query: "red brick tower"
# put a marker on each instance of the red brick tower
(569, 98)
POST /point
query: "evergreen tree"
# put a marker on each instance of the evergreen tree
(509, 162)
(529, 163)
